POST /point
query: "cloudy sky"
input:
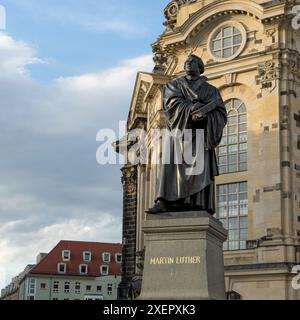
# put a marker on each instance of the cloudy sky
(61, 64)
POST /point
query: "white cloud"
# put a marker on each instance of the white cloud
(67, 105)
(15, 56)
(85, 229)
(51, 186)
(90, 97)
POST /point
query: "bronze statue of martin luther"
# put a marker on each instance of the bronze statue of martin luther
(190, 102)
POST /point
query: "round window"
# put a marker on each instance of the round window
(227, 42)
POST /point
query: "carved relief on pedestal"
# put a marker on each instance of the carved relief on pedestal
(268, 75)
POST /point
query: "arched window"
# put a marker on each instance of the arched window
(233, 150)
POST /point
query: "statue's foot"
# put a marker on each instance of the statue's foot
(159, 207)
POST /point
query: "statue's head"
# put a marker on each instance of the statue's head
(194, 65)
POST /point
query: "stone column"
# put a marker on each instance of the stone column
(129, 181)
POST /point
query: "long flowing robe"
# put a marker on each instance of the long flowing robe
(174, 184)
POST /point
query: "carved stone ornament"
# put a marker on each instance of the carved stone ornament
(270, 32)
(295, 71)
(268, 74)
(160, 59)
(129, 179)
(172, 10)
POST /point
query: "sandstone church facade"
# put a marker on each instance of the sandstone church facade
(252, 55)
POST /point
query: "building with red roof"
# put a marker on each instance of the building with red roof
(75, 270)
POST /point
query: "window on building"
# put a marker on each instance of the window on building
(233, 149)
(106, 257)
(77, 287)
(88, 288)
(66, 255)
(55, 286)
(43, 286)
(83, 269)
(109, 289)
(62, 268)
(118, 257)
(31, 287)
(226, 42)
(232, 210)
(104, 270)
(87, 256)
(99, 288)
(67, 287)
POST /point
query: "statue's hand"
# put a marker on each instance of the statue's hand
(197, 117)
(196, 107)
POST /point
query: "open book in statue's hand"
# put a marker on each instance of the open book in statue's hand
(200, 110)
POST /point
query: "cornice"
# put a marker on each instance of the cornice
(266, 13)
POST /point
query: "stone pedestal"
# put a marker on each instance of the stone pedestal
(184, 257)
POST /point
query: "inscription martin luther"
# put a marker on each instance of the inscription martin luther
(175, 260)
